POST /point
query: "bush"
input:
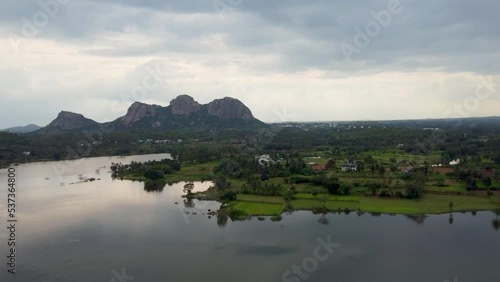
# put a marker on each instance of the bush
(345, 189)
(229, 196)
(400, 194)
(289, 195)
(153, 174)
(385, 193)
(299, 179)
(276, 218)
(414, 193)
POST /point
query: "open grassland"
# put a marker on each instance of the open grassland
(429, 204)
(386, 155)
(255, 209)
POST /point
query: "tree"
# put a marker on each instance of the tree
(332, 185)
(381, 170)
(288, 195)
(229, 196)
(188, 188)
(153, 174)
(345, 189)
(264, 176)
(361, 166)
(471, 183)
(487, 182)
(416, 186)
(330, 164)
(221, 183)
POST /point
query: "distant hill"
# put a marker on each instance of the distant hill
(22, 129)
(68, 121)
(182, 113)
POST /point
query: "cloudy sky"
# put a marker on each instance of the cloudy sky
(285, 59)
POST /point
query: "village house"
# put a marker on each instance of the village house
(264, 160)
(349, 166)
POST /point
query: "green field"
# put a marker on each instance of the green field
(386, 155)
(429, 204)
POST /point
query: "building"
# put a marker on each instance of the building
(319, 167)
(349, 166)
(264, 160)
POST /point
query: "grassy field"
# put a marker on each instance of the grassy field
(192, 172)
(385, 156)
(429, 204)
(255, 205)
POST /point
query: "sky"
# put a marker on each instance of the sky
(287, 60)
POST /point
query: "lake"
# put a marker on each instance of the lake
(112, 230)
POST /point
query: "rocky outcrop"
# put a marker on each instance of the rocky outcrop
(184, 105)
(71, 121)
(229, 108)
(182, 113)
(138, 111)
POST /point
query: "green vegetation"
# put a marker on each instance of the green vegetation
(379, 167)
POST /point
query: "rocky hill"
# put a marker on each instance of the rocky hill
(229, 108)
(68, 121)
(139, 111)
(183, 112)
(184, 105)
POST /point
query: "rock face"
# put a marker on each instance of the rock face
(182, 113)
(71, 121)
(229, 108)
(138, 111)
(184, 105)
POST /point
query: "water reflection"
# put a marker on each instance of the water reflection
(81, 232)
(222, 219)
(189, 203)
(323, 220)
(495, 223)
(154, 186)
(418, 219)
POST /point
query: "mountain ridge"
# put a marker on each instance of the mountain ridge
(22, 129)
(182, 112)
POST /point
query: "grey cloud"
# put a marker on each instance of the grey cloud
(456, 35)
(261, 38)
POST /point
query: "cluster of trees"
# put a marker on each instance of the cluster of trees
(153, 171)
(150, 169)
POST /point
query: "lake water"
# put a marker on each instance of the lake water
(112, 230)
